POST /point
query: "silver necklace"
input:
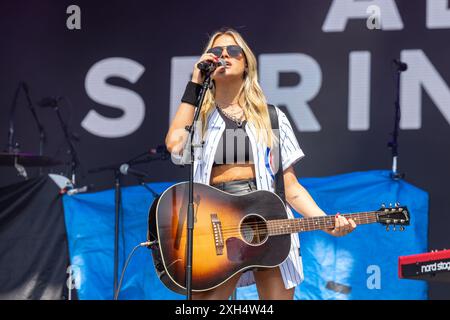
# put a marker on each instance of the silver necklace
(238, 121)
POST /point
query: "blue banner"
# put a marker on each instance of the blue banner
(361, 265)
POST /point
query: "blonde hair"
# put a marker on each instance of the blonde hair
(255, 104)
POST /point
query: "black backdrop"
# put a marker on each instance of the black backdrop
(33, 246)
(37, 47)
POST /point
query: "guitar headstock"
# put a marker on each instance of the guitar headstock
(393, 215)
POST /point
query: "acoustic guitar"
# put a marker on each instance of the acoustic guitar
(232, 233)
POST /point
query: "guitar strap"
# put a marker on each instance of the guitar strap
(279, 180)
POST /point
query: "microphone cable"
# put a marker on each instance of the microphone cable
(146, 244)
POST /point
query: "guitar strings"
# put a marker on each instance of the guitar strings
(273, 231)
(294, 224)
(321, 221)
(283, 230)
(272, 228)
(280, 227)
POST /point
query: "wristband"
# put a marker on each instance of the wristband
(191, 93)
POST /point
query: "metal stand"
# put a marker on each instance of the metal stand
(393, 144)
(117, 207)
(42, 136)
(74, 161)
(13, 146)
(142, 183)
(118, 203)
(190, 146)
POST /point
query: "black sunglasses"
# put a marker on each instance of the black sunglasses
(234, 51)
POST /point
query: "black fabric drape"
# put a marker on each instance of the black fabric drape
(33, 243)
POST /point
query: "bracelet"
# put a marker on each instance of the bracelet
(191, 93)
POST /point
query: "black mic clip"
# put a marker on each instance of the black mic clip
(401, 66)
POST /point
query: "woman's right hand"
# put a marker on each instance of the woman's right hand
(197, 75)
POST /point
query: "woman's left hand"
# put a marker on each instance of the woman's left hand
(343, 226)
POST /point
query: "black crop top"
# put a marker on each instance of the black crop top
(234, 145)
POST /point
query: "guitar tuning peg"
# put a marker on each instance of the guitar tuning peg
(390, 205)
(402, 228)
(394, 228)
(397, 204)
(383, 206)
(387, 227)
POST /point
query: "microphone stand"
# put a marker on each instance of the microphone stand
(12, 146)
(74, 162)
(393, 144)
(42, 136)
(190, 210)
(159, 153)
(118, 205)
(142, 183)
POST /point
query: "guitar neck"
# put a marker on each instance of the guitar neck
(286, 226)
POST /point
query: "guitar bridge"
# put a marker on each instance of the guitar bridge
(218, 236)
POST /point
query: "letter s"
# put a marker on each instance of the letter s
(128, 101)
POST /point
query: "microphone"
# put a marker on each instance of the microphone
(78, 190)
(210, 66)
(70, 190)
(125, 170)
(161, 149)
(401, 66)
(49, 102)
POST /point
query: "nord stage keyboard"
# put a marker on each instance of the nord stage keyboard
(430, 266)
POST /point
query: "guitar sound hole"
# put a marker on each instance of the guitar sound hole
(254, 230)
